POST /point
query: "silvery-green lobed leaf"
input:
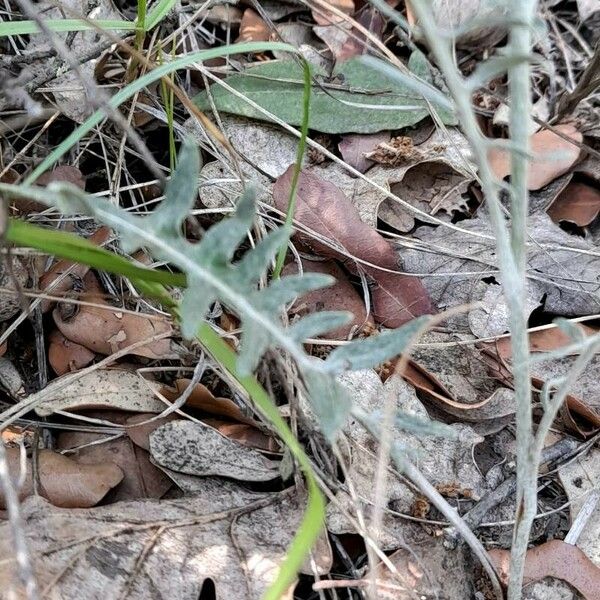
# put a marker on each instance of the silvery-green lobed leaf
(370, 352)
(319, 323)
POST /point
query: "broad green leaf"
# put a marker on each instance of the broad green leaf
(358, 99)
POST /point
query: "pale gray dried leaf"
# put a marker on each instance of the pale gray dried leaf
(461, 368)
(220, 187)
(197, 449)
(435, 188)
(585, 387)
(103, 388)
(563, 269)
(579, 477)
(94, 553)
(441, 459)
(489, 15)
(587, 8)
(263, 146)
(15, 277)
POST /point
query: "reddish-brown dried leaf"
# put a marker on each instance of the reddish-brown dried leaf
(139, 430)
(203, 399)
(553, 156)
(357, 43)
(340, 296)
(245, 434)
(65, 356)
(76, 272)
(62, 173)
(324, 209)
(324, 17)
(253, 28)
(141, 478)
(354, 146)
(105, 329)
(554, 559)
(578, 203)
(63, 481)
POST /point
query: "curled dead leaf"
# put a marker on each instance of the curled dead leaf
(106, 329)
(63, 481)
(65, 356)
(553, 156)
(578, 203)
(323, 208)
(253, 28)
(141, 478)
(340, 296)
(354, 148)
(554, 559)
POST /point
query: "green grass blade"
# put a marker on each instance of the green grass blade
(158, 13)
(139, 84)
(314, 515)
(289, 217)
(63, 25)
(79, 250)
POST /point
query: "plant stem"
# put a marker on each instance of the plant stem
(289, 217)
(523, 12)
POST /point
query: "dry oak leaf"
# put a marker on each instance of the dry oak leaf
(324, 209)
(141, 478)
(225, 533)
(63, 481)
(120, 389)
(563, 272)
(554, 559)
(339, 296)
(105, 329)
(578, 203)
(253, 28)
(354, 148)
(66, 356)
(553, 156)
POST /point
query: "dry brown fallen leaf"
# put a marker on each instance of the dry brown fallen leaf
(354, 146)
(578, 203)
(324, 209)
(106, 329)
(324, 17)
(340, 296)
(253, 28)
(76, 272)
(63, 481)
(65, 356)
(554, 559)
(552, 156)
(201, 398)
(141, 478)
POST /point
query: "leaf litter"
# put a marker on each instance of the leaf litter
(392, 261)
